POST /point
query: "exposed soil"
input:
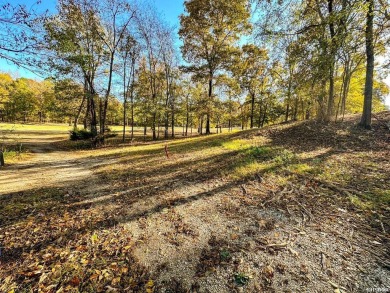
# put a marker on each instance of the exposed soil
(47, 166)
(132, 220)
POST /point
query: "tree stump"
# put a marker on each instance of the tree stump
(1, 159)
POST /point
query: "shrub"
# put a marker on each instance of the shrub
(80, 134)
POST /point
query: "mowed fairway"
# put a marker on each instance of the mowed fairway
(273, 209)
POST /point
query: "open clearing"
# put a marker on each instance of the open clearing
(299, 207)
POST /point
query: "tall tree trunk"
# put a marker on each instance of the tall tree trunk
(167, 95)
(132, 98)
(321, 113)
(330, 107)
(187, 117)
(295, 113)
(288, 98)
(76, 119)
(338, 110)
(107, 96)
(132, 116)
(287, 111)
(264, 115)
(145, 128)
(100, 114)
(345, 95)
(367, 107)
(208, 124)
(242, 117)
(260, 114)
(1, 158)
(166, 122)
(154, 125)
(92, 110)
(252, 109)
(173, 116)
(87, 112)
(303, 109)
(124, 121)
(91, 106)
(345, 87)
(158, 129)
(209, 101)
(124, 103)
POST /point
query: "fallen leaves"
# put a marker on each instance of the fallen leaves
(57, 243)
(72, 257)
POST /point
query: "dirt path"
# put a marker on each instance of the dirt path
(43, 170)
(47, 167)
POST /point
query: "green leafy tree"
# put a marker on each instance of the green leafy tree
(73, 37)
(251, 70)
(210, 31)
(5, 85)
(70, 100)
(23, 99)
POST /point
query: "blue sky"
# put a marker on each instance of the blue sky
(170, 10)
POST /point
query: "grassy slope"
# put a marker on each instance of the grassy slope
(202, 205)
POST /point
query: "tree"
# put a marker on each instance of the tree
(318, 45)
(115, 17)
(20, 37)
(129, 56)
(369, 33)
(23, 99)
(150, 28)
(250, 70)
(230, 89)
(5, 84)
(169, 63)
(210, 31)
(73, 37)
(69, 102)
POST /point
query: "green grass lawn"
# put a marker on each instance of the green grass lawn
(45, 127)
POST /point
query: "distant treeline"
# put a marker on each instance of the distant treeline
(240, 63)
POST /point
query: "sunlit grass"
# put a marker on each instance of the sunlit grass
(50, 127)
(236, 145)
(300, 168)
(243, 154)
(372, 199)
(248, 169)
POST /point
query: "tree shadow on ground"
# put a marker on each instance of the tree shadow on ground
(311, 135)
(130, 194)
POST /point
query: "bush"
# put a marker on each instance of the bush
(80, 134)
